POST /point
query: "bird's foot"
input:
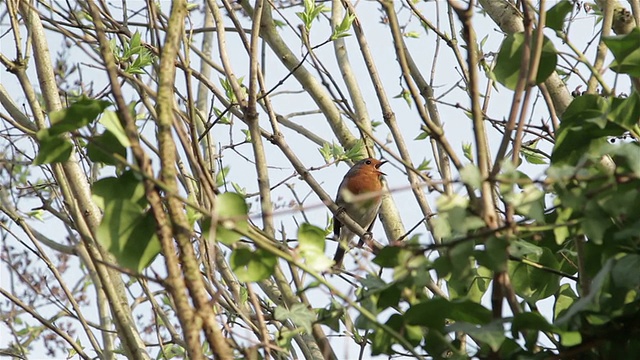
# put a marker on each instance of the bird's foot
(366, 238)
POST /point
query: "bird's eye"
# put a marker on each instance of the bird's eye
(368, 162)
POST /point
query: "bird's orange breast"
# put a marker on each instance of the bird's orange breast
(365, 181)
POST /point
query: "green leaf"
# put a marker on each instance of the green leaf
(252, 266)
(453, 218)
(222, 176)
(110, 121)
(104, 148)
(406, 95)
(625, 271)
(495, 254)
(437, 343)
(382, 341)
(193, 215)
(331, 316)
(507, 69)
(129, 233)
(521, 248)
(467, 150)
(560, 231)
(626, 52)
(325, 151)
(298, 314)
(311, 247)
(422, 135)
(285, 336)
(565, 297)
(355, 152)
(432, 313)
(557, 14)
(531, 156)
(479, 284)
(124, 187)
(469, 311)
(584, 125)
(79, 114)
(532, 283)
(625, 111)
(570, 338)
(528, 202)
(491, 334)
(390, 256)
(412, 34)
(470, 175)
(531, 321)
(586, 301)
(232, 210)
(311, 12)
(311, 238)
(424, 165)
(344, 26)
(53, 149)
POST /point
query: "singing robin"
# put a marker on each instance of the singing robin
(360, 195)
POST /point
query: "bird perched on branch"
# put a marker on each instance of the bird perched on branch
(360, 195)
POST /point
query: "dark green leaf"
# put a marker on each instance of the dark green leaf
(521, 248)
(584, 126)
(79, 114)
(586, 301)
(492, 334)
(53, 149)
(532, 283)
(389, 297)
(625, 271)
(129, 233)
(104, 148)
(557, 14)
(507, 69)
(125, 186)
(331, 316)
(626, 52)
(430, 313)
(391, 256)
(298, 314)
(438, 344)
(531, 321)
(252, 266)
(433, 312)
(495, 254)
(383, 341)
(371, 282)
(232, 212)
(625, 111)
(469, 311)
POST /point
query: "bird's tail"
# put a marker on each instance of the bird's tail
(337, 258)
(340, 250)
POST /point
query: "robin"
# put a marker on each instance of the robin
(360, 195)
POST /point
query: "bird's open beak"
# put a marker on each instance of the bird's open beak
(380, 164)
